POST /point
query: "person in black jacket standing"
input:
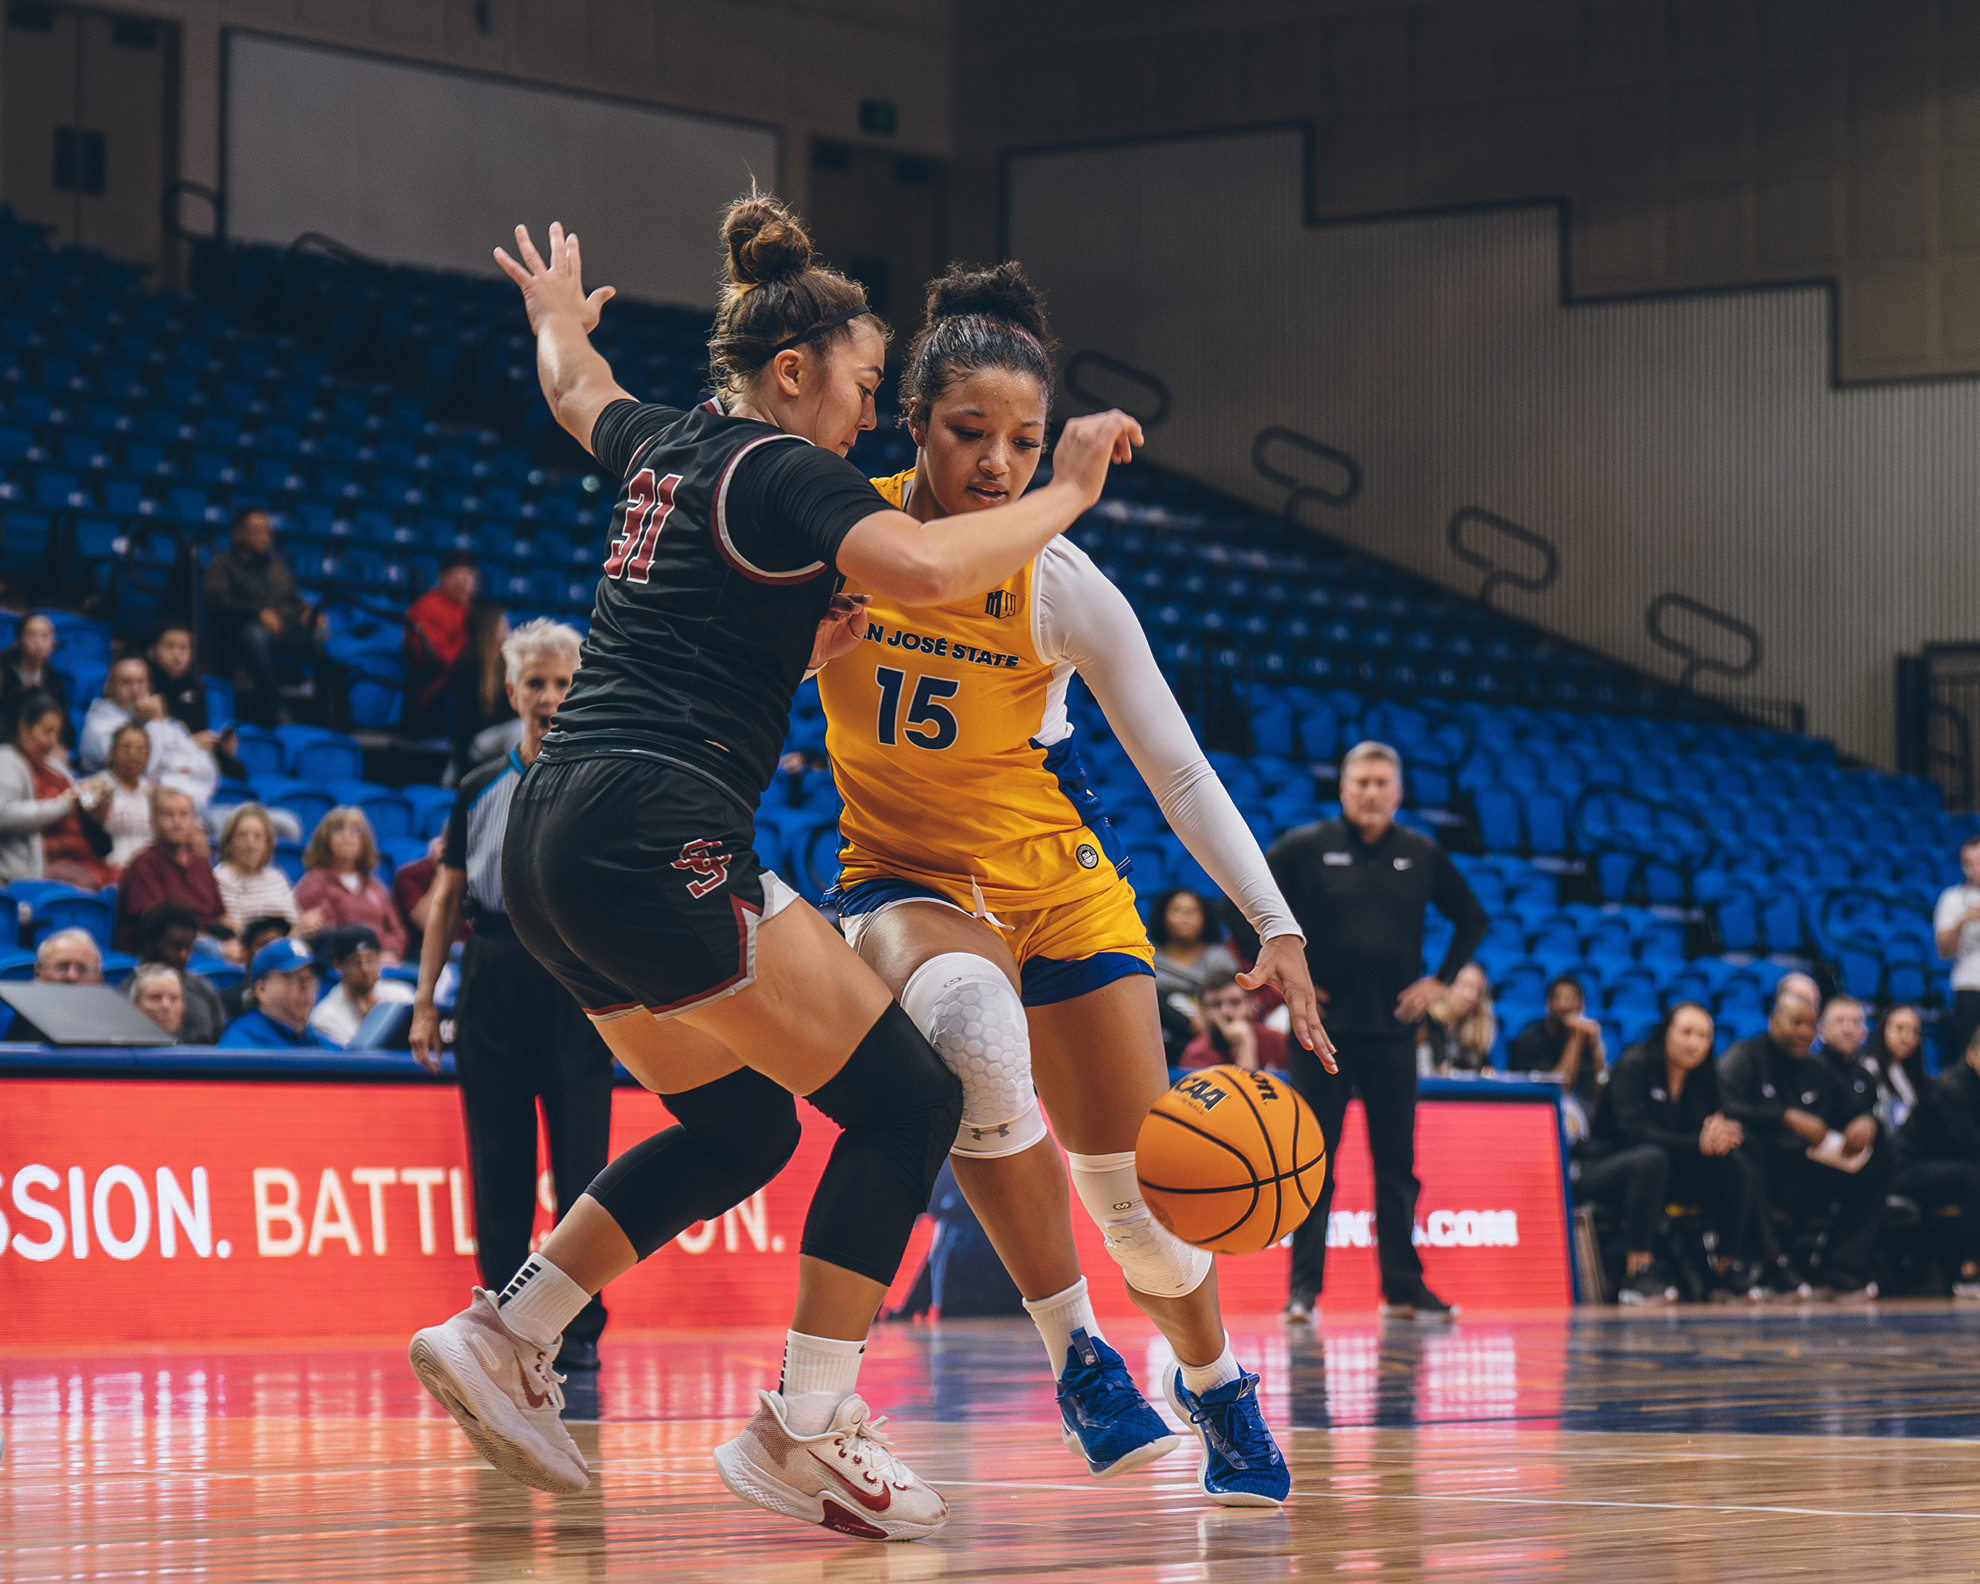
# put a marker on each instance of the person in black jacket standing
(1938, 1152)
(1358, 886)
(1812, 1151)
(1660, 1133)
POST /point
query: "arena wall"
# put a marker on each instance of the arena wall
(1690, 445)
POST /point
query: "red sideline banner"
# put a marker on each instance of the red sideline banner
(144, 1210)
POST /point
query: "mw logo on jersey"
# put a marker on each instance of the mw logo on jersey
(703, 858)
(1000, 602)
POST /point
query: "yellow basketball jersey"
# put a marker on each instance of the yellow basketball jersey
(931, 724)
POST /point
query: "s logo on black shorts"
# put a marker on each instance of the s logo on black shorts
(1087, 857)
(704, 858)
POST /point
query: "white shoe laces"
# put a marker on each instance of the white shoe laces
(862, 1440)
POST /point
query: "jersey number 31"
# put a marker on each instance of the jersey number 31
(929, 724)
(648, 505)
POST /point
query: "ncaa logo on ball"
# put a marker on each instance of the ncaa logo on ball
(1086, 855)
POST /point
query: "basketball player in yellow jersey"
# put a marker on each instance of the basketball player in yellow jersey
(979, 880)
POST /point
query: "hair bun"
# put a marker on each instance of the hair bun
(765, 241)
(1001, 292)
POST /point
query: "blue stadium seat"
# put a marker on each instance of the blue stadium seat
(262, 752)
(431, 806)
(92, 913)
(326, 759)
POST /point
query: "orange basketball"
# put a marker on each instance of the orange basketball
(1231, 1160)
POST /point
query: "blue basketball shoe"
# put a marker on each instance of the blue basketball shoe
(1106, 1419)
(1241, 1464)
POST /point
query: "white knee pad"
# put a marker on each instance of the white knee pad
(1154, 1260)
(967, 1010)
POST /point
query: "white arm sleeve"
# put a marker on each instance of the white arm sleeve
(1085, 622)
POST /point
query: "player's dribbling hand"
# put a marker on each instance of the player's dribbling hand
(1086, 445)
(1282, 965)
(840, 629)
(556, 287)
(424, 1041)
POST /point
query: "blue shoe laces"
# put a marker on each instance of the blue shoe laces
(1233, 1425)
(1093, 1390)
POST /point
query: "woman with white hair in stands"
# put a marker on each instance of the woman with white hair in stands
(156, 991)
(342, 887)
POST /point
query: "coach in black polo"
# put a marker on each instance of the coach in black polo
(1358, 886)
(518, 1033)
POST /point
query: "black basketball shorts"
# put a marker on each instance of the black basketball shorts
(636, 884)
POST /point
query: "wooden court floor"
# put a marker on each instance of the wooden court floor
(1709, 1445)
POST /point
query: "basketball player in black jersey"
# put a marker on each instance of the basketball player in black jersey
(630, 874)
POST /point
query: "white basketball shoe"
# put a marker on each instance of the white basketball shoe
(501, 1390)
(844, 1478)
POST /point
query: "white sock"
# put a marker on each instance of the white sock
(819, 1374)
(1220, 1371)
(1058, 1316)
(540, 1301)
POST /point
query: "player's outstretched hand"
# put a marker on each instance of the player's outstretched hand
(1086, 445)
(556, 287)
(840, 629)
(1282, 965)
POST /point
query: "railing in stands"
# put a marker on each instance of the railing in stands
(1496, 574)
(1087, 361)
(1338, 493)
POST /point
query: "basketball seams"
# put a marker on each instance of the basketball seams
(1252, 1184)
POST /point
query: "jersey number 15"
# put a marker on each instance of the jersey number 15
(648, 505)
(929, 724)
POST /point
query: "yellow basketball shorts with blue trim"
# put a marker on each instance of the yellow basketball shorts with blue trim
(1064, 951)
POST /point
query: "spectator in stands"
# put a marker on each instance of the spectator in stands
(1812, 1155)
(1566, 1043)
(359, 988)
(69, 956)
(237, 998)
(342, 886)
(176, 760)
(25, 668)
(1461, 1027)
(177, 682)
(258, 615)
(1660, 1134)
(1232, 1032)
(251, 886)
(42, 836)
(175, 678)
(1843, 1032)
(441, 666)
(1938, 1155)
(1897, 1051)
(117, 800)
(284, 978)
(166, 934)
(1956, 932)
(1189, 950)
(174, 868)
(156, 991)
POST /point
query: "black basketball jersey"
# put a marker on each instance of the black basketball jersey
(720, 562)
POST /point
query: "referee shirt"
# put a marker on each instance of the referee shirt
(474, 831)
(1361, 905)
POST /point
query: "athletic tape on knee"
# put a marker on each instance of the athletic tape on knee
(735, 1134)
(1154, 1260)
(967, 1010)
(899, 1107)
